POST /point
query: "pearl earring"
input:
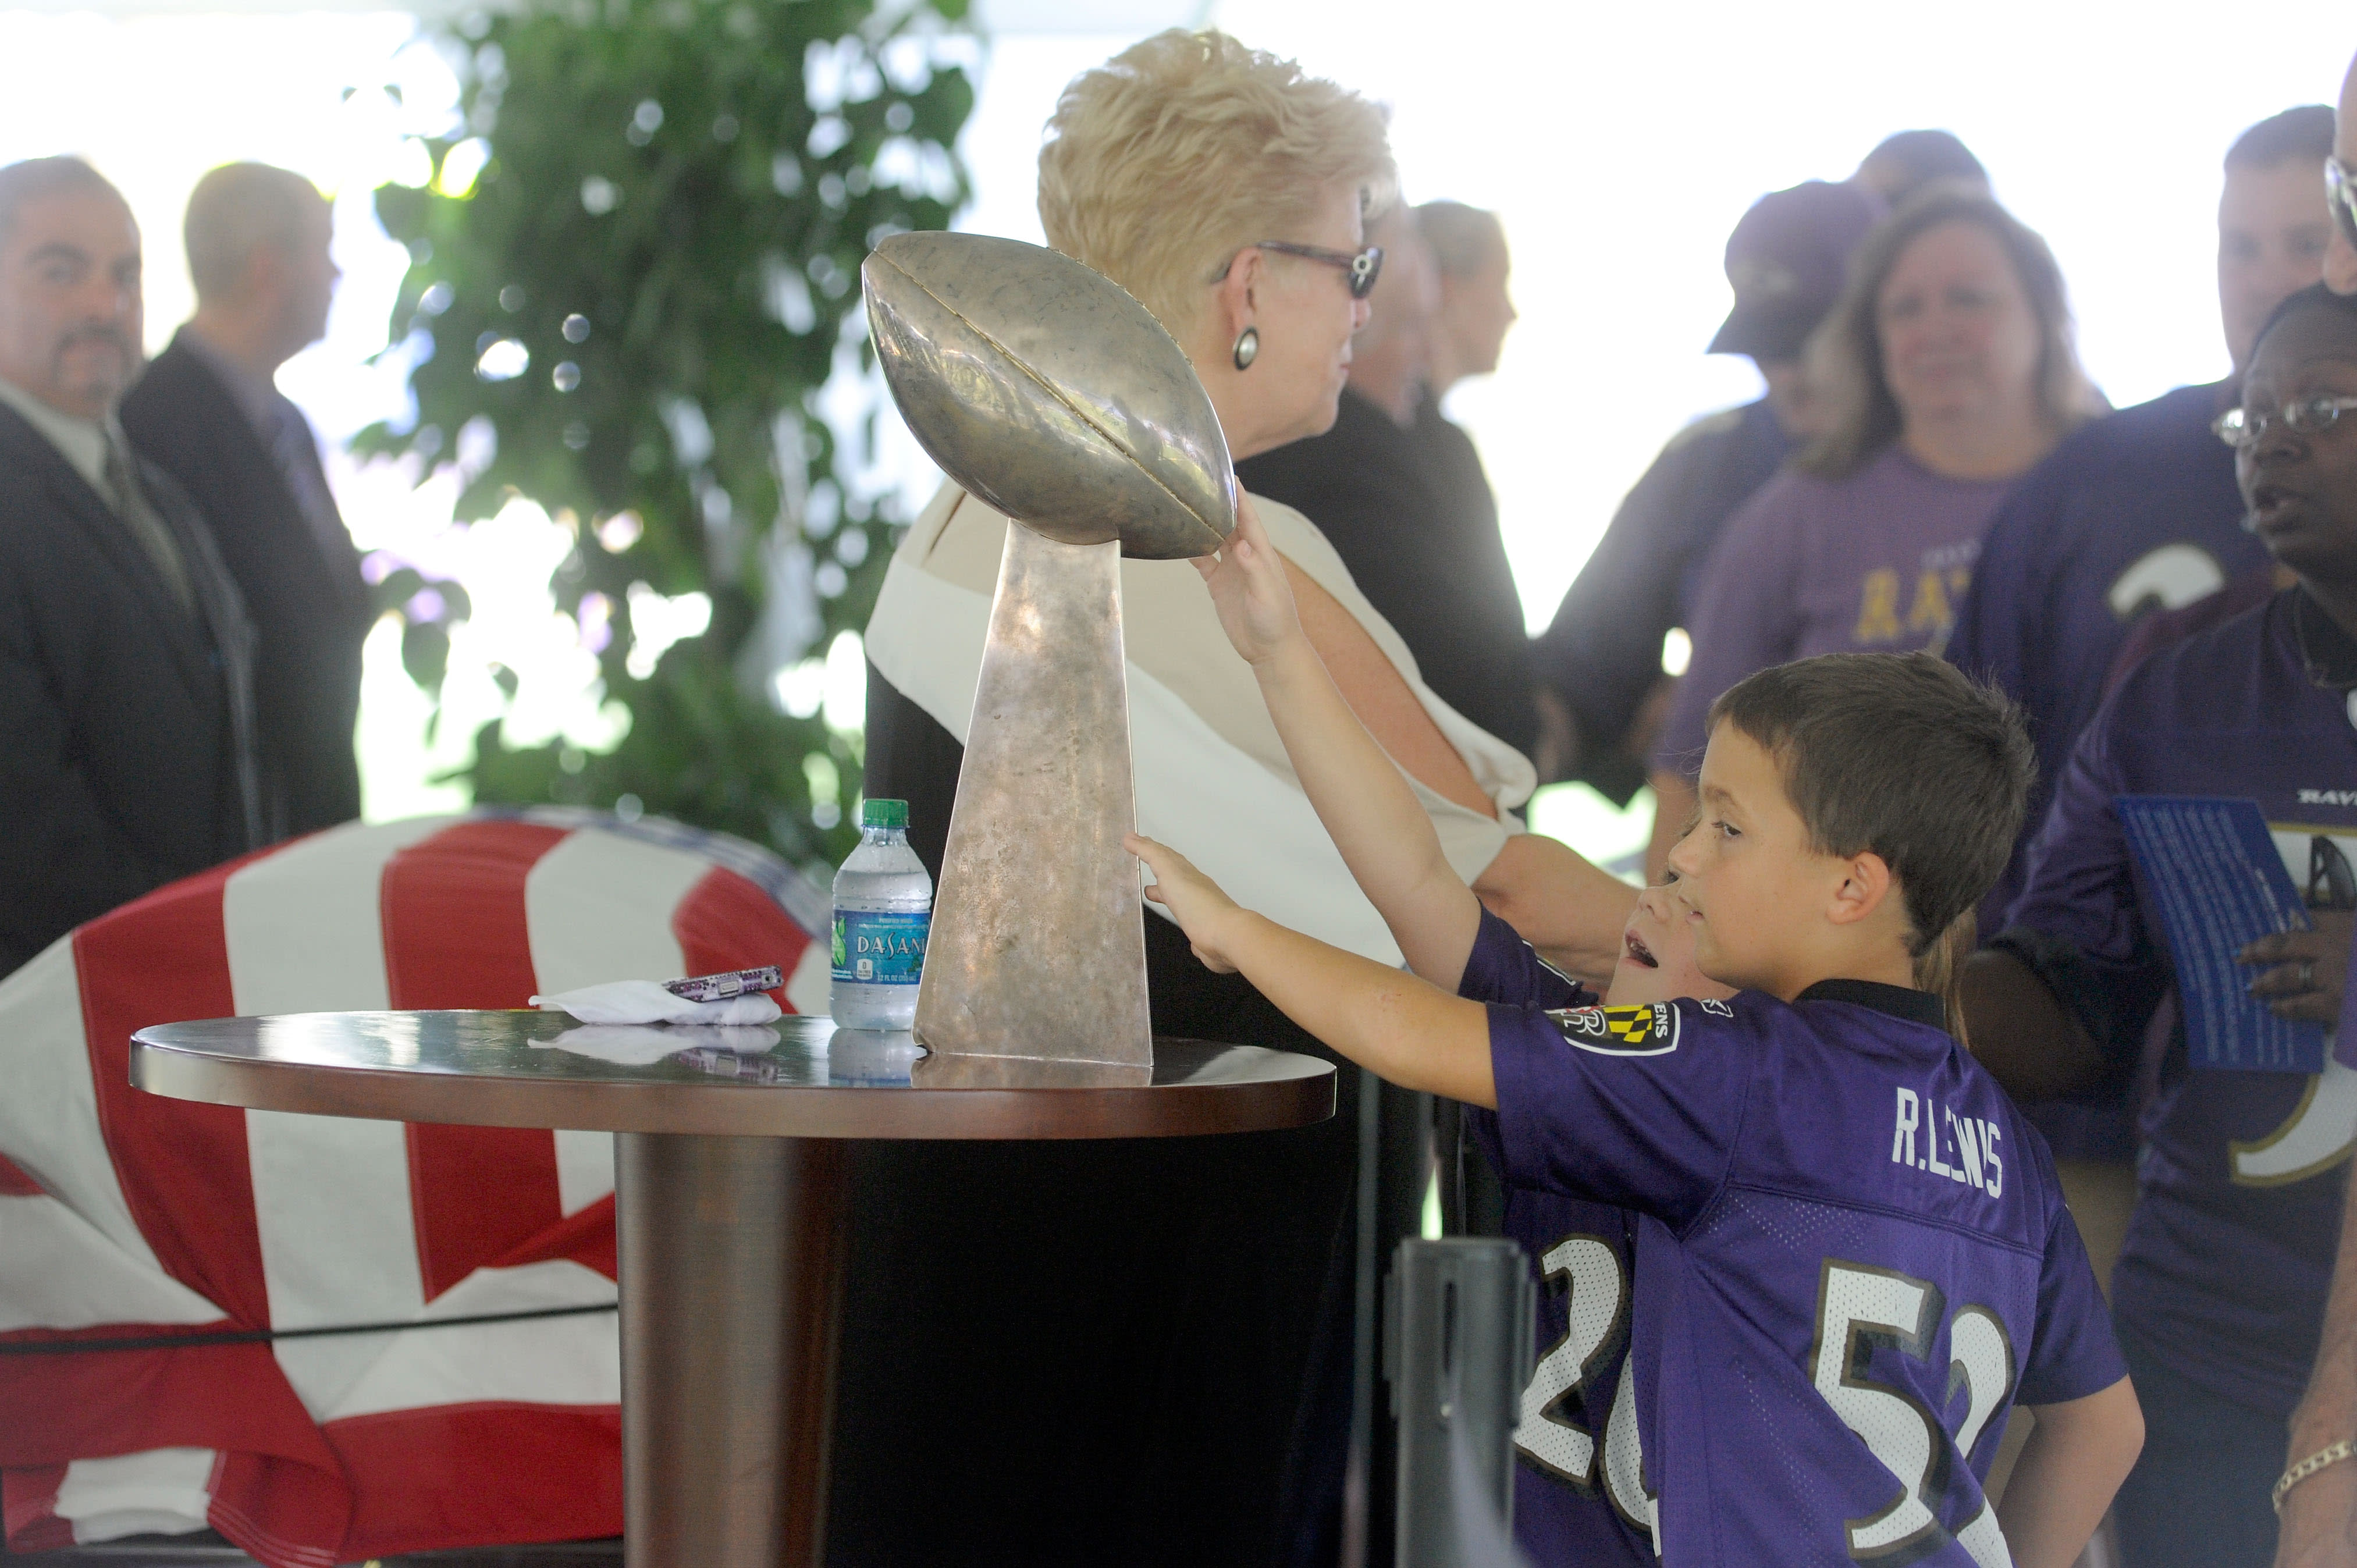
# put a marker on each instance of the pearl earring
(1247, 348)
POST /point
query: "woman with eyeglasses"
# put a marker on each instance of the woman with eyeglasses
(2220, 1291)
(1946, 371)
(1143, 1352)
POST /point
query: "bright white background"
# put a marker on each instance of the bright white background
(1618, 143)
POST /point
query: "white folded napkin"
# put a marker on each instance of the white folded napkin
(646, 1002)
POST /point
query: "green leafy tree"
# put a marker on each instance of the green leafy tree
(635, 267)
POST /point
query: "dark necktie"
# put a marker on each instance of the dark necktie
(154, 539)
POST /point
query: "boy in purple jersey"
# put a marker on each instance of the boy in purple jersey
(2221, 1287)
(1850, 1255)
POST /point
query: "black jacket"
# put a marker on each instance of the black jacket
(1411, 514)
(310, 609)
(128, 760)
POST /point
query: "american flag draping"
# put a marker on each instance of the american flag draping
(124, 1216)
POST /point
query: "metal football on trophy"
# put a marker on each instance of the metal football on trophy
(1042, 387)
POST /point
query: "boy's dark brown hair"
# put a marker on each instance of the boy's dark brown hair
(1901, 755)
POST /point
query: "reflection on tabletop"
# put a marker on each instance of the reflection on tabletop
(877, 1057)
(643, 1045)
(938, 1071)
(754, 1052)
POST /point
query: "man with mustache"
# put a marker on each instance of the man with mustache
(126, 658)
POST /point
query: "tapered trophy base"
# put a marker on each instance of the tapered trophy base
(1038, 945)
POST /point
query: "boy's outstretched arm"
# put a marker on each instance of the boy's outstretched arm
(1385, 836)
(1406, 1031)
(2077, 1455)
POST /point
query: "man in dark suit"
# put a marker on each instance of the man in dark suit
(208, 411)
(125, 690)
(1408, 506)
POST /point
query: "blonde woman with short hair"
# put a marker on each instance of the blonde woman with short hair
(1194, 1284)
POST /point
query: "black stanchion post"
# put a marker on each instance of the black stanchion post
(1456, 1350)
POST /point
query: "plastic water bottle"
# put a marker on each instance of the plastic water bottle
(883, 907)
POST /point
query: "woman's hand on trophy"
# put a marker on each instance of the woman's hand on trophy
(1248, 584)
(1202, 910)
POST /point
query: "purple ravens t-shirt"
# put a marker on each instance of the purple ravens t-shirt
(1871, 563)
(1851, 1260)
(1579, 1494)
(2230, 1250)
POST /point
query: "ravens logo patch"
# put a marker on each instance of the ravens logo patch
(1648, 1031)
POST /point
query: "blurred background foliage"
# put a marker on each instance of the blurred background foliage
(635, 268)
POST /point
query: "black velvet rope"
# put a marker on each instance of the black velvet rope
(267, 1336)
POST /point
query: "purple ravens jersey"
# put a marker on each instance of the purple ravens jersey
(1851, 1259)
(1579, 1498)
(2239, 1184)
(2133, 512)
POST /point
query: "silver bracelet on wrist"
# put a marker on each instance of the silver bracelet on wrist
(2331, 1454)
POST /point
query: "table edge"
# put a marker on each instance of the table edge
(723, 1110)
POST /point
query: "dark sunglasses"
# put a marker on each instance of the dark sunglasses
(2340, 195)
(1360, 271)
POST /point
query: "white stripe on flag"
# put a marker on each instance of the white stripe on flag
(57, 1272)
(585, 1168)
(49, 1115)
(810, 988)
(599, 908)
(544, 1361)
(305, 928)
(158, 1491)
(338, 1244)
(331, 1196)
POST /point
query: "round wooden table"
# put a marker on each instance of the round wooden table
(730, 1181)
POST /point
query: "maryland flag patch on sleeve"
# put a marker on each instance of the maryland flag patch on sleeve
(1648, 1031)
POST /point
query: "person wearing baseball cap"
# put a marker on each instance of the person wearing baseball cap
(1906, 161)
(1601, 658)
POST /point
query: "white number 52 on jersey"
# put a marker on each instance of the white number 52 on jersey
(1861, 1308)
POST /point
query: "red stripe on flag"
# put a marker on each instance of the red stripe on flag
(75, 1405)
(455, 930)
(183, 1171)
(54, 1408)
(182, 1166)
(728, 922)
(586, 1238)
(476, 1193)
(457, 1475)
(14, 1183)
(284, 1515)
(28, 1499)
(456, 935)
